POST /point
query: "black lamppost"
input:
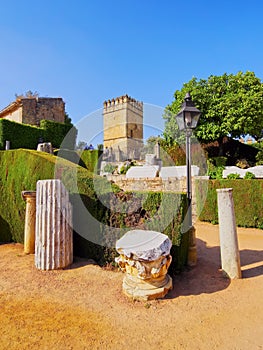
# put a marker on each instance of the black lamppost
(187, 120)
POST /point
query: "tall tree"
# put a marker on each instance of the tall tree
(231, 105)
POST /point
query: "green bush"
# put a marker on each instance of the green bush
(233, 176)
(220, 161)
(91, 159)
(259, 157)
(249, 175)
(107, 207)
(28, 136)
(61, 135)
(19, 135)
(109, 168)
(72, 156)
(247, 195)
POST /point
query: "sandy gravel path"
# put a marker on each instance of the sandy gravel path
(84, 308)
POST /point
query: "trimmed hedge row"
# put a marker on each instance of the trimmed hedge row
(28, 136)
(88, 159)
(247, 196)
(61, 135)
(91, 159)
(101, 212)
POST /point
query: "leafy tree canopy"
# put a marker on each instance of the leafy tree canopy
(231, 105)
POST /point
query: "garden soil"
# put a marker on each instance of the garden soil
(83, 307)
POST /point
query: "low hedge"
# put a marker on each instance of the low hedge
(61, 135)
(92, 159)
(162, 212)
(19, 135)
(89, 159)
(101, 212)
(247, 196)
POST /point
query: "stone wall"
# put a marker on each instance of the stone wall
(156, 184)
(33, 110)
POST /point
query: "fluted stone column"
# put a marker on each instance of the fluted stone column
(145, 258)
(30, 221)
(230, 258)
(54, 246)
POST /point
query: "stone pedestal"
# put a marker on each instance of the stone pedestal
(30, 221)
(45, 147)
(229, 251)
(145, 258)
(54, 246)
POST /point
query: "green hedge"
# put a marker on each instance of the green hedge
(20, 135)
(89, 159)
(72, 156)
(28, 136)
(92, 159)
(55, 133)
(247, 196)
(99, 207)
(163, 212)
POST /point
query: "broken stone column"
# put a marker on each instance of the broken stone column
(30, 221)
(145, 259)
(230, 258)
(54, 246)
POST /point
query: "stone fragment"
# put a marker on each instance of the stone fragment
(178, 171)
(140, 172)
(144, 244)
(145, 259)
(54, 234)
(45, 147)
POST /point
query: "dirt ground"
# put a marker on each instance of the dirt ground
(83, 307)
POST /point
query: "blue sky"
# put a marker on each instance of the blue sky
(90, 51)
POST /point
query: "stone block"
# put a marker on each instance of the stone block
(178, 171)
(257, 171)
(45, 147)
(140, 172)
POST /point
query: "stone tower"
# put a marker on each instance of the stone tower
(123, 128)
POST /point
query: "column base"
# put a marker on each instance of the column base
(139, 289)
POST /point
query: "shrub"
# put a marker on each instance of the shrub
(249, 175)
(233, 176)
(259, 157)
(214, 171)
(61, 135)
(109, 168)
(27, 136)
(91, 159)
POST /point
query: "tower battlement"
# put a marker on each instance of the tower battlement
(123, 127)
(119, 101)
